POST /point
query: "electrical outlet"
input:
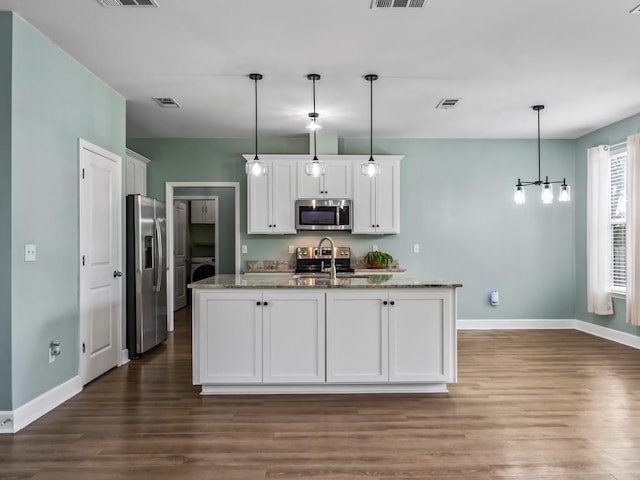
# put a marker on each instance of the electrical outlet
(29, 253)
(244, 249)
(52, 357)
(416, 248)
(292, 249)
(374, 248)
(54, 351)
(6, 423)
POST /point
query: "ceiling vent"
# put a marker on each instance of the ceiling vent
(635, 9)
(128, 3)
(447, 103)
(375, 4)
(166, 102)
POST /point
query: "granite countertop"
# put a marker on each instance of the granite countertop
(287, 280)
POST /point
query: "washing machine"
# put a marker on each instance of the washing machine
(202, 267)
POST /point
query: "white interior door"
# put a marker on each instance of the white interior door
(100, 260)
(180, 254)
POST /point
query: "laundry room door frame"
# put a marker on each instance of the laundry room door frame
(169, 197)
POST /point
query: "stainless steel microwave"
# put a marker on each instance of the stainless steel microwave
(323, 214)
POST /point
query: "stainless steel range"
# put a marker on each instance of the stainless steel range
(310, 260)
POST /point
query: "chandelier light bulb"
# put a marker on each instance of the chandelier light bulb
(314, 168)
(256, 168)
(565, 193)
(547, 193)
(518, 195)
(370, 169)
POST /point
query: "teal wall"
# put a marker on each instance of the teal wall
(55, 101)
(456, 202)
(610, 135)
(5, 209)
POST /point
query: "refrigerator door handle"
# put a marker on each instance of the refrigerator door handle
(160, 263)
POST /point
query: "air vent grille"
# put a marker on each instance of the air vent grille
(128, 3)
(166, 102)
(447, 103)
(375, 4)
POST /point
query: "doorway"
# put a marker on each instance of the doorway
(175, 190)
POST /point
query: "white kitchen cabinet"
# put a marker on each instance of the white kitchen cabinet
(357, 336)
(293, 337)
(270, 199)
(256, 336)
(203, 211)
(335, 183)
(376, 201)
(136, 174)
(394, 335)
(420, 335)
(229, 337)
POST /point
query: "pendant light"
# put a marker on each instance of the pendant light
(256, 167)
(314, 168)
(547, 186)
(370, 168)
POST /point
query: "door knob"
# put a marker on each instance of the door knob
(117, 273)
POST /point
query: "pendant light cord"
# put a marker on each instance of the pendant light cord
(315, 143)
(371, 119)
(255, 80)
(539, 175)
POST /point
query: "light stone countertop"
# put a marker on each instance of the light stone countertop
(287, 280)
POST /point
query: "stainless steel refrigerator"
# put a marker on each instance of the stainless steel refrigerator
(146, 274)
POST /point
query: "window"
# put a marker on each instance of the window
(618, 219)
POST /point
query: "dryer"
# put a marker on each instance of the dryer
(202, 267)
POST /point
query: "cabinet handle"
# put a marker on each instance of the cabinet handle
(385, 302)
(377, 226)
(265, 303)
(373, 226)
(258, 303)
(392, 302)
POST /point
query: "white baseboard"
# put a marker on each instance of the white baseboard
(124, 357)
(608, 333)
(39, 406)
(516, 324)
(545, 323)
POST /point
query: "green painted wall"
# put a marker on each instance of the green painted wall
(55, 101)
(610, 135)
(457, 203)
(6, 29)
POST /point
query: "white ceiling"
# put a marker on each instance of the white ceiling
(578, 57)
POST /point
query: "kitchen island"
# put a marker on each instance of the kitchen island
(285, 333)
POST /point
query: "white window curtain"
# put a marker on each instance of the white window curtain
(598, 237)
(633, 222)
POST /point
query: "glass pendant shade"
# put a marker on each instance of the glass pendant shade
(518, 195)
(313, 123)
(314, 168)
(256, 167)
(547, 193)
(370, 168)
(565, 193)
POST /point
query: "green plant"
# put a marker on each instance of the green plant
(378, 258)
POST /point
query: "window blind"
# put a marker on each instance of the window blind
(618, 226)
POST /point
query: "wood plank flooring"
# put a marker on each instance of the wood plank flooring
(555, 404)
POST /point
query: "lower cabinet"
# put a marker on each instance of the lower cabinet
(254, 336)
(277, 337)
(396, 335)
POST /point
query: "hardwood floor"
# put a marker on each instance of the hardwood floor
(555, 404)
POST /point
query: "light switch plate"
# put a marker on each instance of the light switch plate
(292, 249)
(374, 248)
(29, 253)
(416, 248)
(244, 249)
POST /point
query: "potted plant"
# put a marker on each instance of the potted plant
(377, 259)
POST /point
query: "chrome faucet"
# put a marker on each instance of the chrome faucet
(332, 271)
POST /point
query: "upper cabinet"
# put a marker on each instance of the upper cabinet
(270, 198)
(136, 174)
(376, 201)
(335, 183)
(203, 211)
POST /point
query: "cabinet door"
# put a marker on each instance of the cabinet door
(363, 220)
(136, 177)
(197, 211)
(259, 203)
(210, 211)
(387, 199)
(309, 187)
(420, 335)
(293, 337)
(283, 191)
(357, 337)
(337, 180)
(229, 336)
